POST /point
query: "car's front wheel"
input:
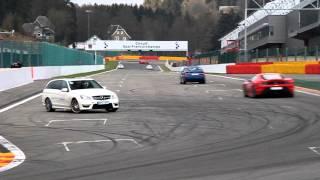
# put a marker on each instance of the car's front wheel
(48, 105)
(182, 81)
(75, 107)
(112, 109)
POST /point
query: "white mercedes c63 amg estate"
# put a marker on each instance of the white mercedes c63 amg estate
(78, 95)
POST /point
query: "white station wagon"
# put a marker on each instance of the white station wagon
(78, 95)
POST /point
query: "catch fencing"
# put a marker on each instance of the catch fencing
(259, 55)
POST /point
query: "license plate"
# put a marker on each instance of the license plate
(103, 102)
(276, 88)
(194, 74)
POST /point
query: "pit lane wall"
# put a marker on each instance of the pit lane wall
(307, 67)
(215, 68)
(11, 78)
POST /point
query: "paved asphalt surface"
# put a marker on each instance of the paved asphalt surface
(168, 131)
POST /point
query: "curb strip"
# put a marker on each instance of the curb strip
(13, 159)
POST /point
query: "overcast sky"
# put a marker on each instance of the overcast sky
(108, 2)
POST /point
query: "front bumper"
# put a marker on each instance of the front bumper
(97, 104)
(195, 78)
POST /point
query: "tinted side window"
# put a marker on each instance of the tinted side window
(54, 85)
(50, 85)
(64, 85)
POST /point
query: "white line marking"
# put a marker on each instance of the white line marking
(121, 82)
(308, 93)
(220, 98)
(19, 103)
(118, 90)
(314, 149)
(160, 68)
(103, 72)
(223, 90)
(120, 85)
(219, 85)
(73, 120)
(19, 156)
(227, 77)
(65, 144)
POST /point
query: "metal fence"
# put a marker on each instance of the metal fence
(214, 57)
(265, 55)
(43, 54)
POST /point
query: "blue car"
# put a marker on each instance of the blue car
(192, 74)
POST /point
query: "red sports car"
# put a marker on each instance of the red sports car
(268, 84)
(143, 62)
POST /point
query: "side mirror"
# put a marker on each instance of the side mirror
(64, 90)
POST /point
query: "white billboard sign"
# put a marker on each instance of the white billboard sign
(101, 45)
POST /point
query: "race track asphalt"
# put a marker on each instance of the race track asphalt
(167, 131)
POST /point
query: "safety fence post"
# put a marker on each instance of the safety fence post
(317, 53)
(1, 55)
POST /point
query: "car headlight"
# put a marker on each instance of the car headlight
(84, 97)
(113, 96)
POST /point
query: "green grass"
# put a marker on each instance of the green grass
(109, 66)
(308, 84)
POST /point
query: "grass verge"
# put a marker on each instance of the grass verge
(307, 84)
(108, 67)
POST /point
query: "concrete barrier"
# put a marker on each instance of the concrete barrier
(216, 68)
(48, 72)
(213, 68)
(11, 78)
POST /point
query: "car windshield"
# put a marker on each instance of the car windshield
(271, 76)
(195, 70)
(84, 84)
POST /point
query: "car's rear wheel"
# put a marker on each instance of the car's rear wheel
(48, 105)
(112, 109)
(291, 95)
(203, 82)
(75, 107)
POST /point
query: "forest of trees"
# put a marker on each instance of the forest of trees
(62, 13)
(197, 21)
